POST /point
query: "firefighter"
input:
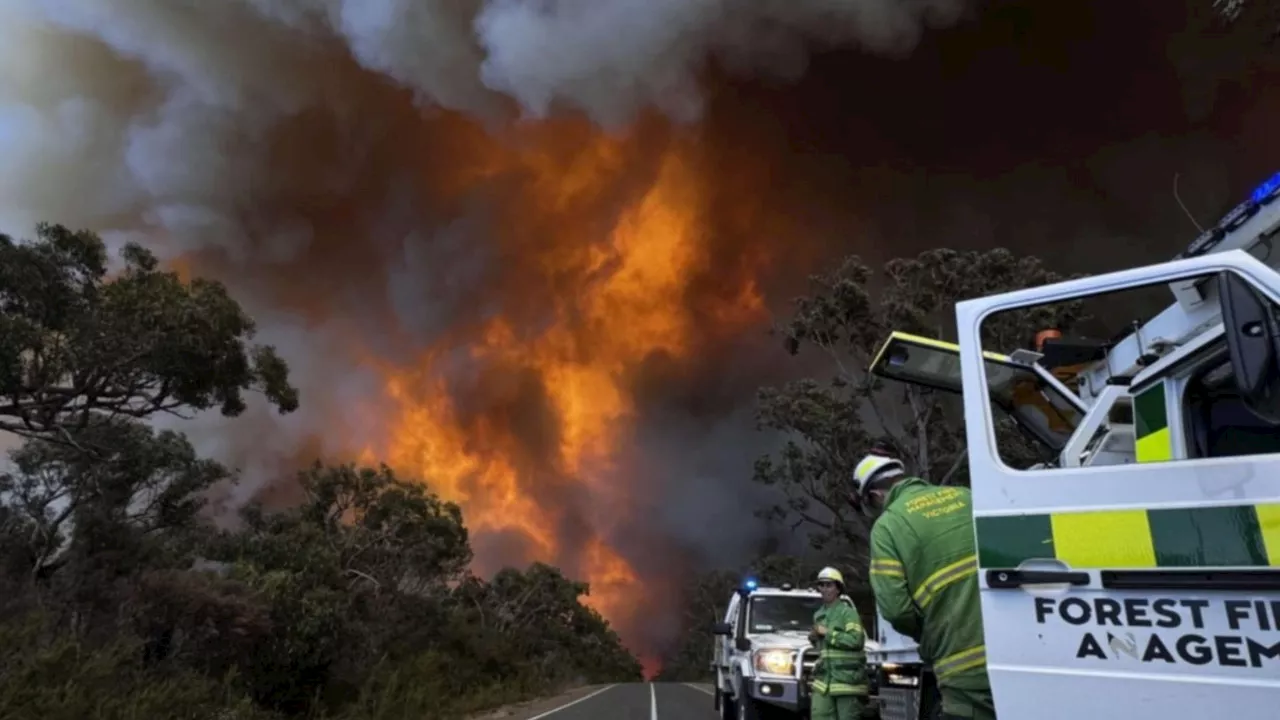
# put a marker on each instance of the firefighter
(839, 676)
(924, 573)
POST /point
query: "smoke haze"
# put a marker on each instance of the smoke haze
(527, 250)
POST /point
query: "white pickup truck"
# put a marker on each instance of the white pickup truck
(762, 651)
(902, 685)
(762, 654)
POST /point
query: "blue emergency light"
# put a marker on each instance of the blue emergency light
(1264, 194)
(1267, 190)
(751, 584)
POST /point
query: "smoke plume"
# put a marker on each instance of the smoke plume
(525, 250)
(469, 279)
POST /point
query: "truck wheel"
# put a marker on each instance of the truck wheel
(748, 709)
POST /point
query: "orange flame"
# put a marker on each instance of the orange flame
(619, 296)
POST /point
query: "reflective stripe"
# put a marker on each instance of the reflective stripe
(867, 465)
(1269, 527)
(887, 568)
(841, 688)
(1196, 536)
(1129, 542)
(822, 687)
(938, 581)
(961, 661)
(1152, 441)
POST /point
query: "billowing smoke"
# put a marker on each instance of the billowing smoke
(365, 175)
(420, 191)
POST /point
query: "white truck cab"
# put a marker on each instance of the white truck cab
(1135, 573)
(762, 652)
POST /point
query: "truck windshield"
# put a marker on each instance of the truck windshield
(772, 613)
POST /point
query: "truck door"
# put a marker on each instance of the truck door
(1027, 395)
(1152, 589)
(724, 643)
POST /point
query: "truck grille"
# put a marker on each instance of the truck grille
(807, 659)
(899, 704)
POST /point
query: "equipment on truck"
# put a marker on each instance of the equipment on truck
(1135, 572)
(762, 653)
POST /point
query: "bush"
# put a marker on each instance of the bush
(126, 604)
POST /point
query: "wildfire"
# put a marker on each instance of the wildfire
(610, 295)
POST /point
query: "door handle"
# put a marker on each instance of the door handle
(1009, 579)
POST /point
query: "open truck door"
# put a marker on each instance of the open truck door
(1141, 590)
(1025, 393)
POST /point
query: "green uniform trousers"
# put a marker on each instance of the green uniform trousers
(967, 704)
(835, 707)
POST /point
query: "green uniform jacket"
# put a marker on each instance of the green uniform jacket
(924, 573)
(842, 661)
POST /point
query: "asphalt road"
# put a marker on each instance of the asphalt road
(636, 701)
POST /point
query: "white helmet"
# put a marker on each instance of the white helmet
(875, 467)
(831, 574)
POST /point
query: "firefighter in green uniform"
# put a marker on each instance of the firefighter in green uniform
(924, 573)
(839, 676)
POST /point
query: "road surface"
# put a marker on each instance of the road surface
(627, 701)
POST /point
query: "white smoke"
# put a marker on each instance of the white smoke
(112, 110)
(196, 125)
(283, 138)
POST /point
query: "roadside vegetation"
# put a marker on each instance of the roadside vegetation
(119, 600)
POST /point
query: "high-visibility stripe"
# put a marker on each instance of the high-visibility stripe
(1116, 538)
(1152, 441)
(944, 577)
(1269, 526)
(1223, 536)
(822, 687)
(887, 567)
(959, 662)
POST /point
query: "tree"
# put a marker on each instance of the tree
(78, 347)
(354, 604)
(66, 505)
(338, 571)
(539, 615)
(831, 422)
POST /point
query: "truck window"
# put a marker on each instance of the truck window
(1217, 422)
(774, 613)
(1028, 402)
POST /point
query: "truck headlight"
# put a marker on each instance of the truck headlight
(776, 661)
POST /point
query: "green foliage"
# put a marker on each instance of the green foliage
(78, 347)
(47, 674)
(121, 601)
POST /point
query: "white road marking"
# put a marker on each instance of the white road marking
(653, 702)
(700, 689)
(572, 703)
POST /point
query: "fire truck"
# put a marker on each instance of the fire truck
(1135, 571)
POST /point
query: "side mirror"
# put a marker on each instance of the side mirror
(722, 628)
(1253, 341)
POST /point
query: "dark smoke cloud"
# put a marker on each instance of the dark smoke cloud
(307, 152)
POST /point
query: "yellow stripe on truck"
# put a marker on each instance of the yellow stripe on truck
(1156, 447)
(1152, 441)
(1112, 538)
(1269, 525)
